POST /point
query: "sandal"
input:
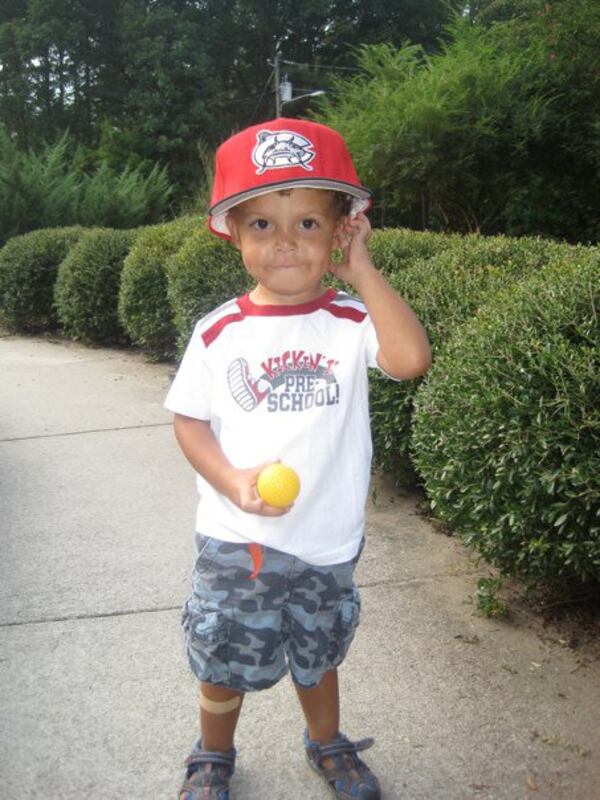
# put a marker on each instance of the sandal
(208, 774)
(348, 778)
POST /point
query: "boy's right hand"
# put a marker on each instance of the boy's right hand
(245, 495)
(204, 453)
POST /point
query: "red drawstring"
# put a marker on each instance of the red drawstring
(256, 553)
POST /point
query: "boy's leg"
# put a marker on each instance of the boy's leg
(321, 707)
(324, 609)
(331, 754)
(219, 715)
(212, 761)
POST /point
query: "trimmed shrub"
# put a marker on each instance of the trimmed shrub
(28, 268)
(445, 288)
(393, 249)
(87, 287)
(204, 273)
(144, 308)
(507, 431)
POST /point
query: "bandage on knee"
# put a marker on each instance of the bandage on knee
(219, 707)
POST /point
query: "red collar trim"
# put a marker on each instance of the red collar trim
(250, 309)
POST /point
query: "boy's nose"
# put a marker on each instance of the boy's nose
(286, 240)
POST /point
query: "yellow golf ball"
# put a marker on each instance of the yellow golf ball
(278, 485)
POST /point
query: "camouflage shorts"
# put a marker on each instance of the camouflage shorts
(245, 633)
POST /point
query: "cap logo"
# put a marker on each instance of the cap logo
(282, 149)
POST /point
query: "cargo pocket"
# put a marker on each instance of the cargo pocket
(206, 548)
(207, 633)
(346, 622)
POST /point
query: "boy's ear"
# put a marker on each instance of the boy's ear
(339, 232)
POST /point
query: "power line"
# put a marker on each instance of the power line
(235, 101)
(321, 66)
(262, 94)
(260, 97)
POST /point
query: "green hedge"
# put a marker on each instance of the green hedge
(87, 287)
(204, 273)
(445, 280)
(394, 249)
(506, 431)
(144, 308)
(28, 269)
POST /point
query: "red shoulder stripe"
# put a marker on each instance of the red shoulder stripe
(346, 312)
(210, 334)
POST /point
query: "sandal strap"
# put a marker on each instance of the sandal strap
(210, 757)
(345, 746)
(192, 789)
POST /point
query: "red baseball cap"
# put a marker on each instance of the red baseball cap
(281, 154)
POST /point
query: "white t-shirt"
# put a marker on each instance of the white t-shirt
(289, 383)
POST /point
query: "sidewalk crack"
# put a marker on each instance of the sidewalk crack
(105, 615)
(80, 433)
(409, 581)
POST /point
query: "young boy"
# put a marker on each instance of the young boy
(281, 373)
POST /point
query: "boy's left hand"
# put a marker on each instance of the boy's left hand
(353, 235)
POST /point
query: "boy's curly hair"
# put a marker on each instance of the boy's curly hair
(342, 203)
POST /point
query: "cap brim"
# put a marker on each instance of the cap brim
(217, 219)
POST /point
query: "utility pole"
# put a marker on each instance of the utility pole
(284, 89)
(277, 89)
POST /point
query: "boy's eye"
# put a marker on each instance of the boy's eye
(308, 224)
(260, 224)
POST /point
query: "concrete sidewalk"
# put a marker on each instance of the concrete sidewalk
(97, 508)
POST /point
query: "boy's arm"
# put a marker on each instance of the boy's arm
(204, 453)
(404, 350)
